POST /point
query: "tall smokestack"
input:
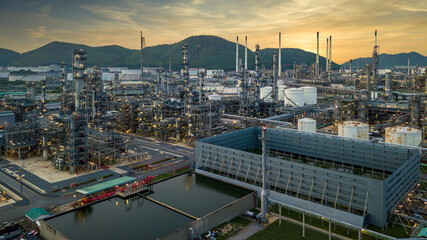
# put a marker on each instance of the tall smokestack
(246, 52)
(257, 73)
(327, 55)
(317, 56)
(280, 55)
(237, 54)
(375, 37)
(141, 55)
(330, 53)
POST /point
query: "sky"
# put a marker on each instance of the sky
(401, 24)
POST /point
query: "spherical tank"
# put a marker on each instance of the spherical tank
(403, 135)
(310, 95)
(294, 97)
(353, 129)
(307, 124)
(265, 94)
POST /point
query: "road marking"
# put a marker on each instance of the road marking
(13, 174)
(10, 193)
(158, 150)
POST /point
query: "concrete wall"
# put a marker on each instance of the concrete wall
(330, 189)
(215, 218)
(49, 233)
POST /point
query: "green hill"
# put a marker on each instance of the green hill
(291, 55)
(215, 52)
(7, 56)
(391, 60)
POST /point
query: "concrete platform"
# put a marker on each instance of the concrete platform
(45, 170)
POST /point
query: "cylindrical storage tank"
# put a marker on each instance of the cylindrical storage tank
(353, 129)
(307, 124)
(265, 93)
(280, 92)
(294, 97)
(214, 97)
(403, 135)
(374, 95)
(310, 95)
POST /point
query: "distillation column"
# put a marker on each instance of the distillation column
(330, 58)
(256, 80)
(327, 55)
(79, 131)
(375, 61)
(280, 56)
(264, 193)
(274, 92)
(388, 86)
(187, 88)
(368, 81)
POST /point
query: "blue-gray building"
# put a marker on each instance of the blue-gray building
(7, 118)
(354, 181)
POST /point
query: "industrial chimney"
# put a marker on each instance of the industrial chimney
(280, 56)
(237, 54)
(317, 56)
(246, 52)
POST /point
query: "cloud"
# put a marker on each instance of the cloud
(100, 22)
(38, 32)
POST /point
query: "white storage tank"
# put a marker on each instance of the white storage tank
(294, 97)
(214, 97)
(280, 92)
(403, 135)
(307, 124)
(353, 129)
(231, 91)
(265, 94)
(310, 95)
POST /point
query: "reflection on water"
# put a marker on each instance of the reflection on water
(80, 216)
(138, 218)
(196, 194)
(189, 182)
(117, 218)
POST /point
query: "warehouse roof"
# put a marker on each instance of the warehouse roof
(106, 185)
(36, 214)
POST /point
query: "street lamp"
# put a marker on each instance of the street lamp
(20, 180)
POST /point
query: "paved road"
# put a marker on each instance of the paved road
(179, 157)
(33, 200)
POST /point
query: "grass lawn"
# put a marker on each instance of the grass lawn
(397, 231)
(237, 223)
(286, 231)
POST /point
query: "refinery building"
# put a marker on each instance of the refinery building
(352, 181)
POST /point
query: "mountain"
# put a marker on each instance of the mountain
(214, 52)
(293, 55)
(391, 60)
(7, 56)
